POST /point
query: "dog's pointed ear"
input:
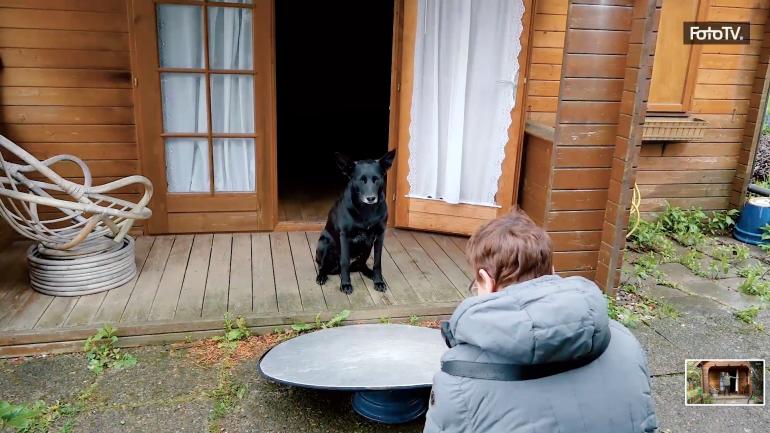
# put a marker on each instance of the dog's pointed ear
(387, 160)
(344, 163)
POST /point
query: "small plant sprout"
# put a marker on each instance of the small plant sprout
(752, 269)
(724, 256)
(622, 314)
(101, 351)
(749, 315)
(765, 245)
(755, 286)
(692, 261)
(20, 417)
(721, 222)
(335, 321)
(385, 320)
(414, 320)
(754, 283)
(235, 331)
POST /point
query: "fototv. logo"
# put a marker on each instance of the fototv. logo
(714, 32)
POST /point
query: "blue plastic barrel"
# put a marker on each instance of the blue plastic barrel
(755, 214)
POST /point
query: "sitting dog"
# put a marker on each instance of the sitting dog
(356, 223)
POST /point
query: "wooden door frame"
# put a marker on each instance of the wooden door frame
(401, 96)
(395, 106)
(148, 115)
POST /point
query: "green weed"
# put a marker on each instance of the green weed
(749, 315)
(101, 351)
(752, 269)
(684, 225)
(235, 331)
(754, 285)
(726, 255)
(627, 317)
(765, 245)
(226, 396)
(37, 417)
(649, 236)
(335, 321)
(692, 261)
(414, 320)
(20, 417)
(721, 222)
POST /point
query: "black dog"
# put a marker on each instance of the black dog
(356, 223)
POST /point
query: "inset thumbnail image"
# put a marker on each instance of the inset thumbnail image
(725, 382)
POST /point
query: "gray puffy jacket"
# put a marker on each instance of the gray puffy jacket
(548, 319)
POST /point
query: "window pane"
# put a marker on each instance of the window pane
(234, 162)
(184, 102)
(180, 36)
(187, 165)
(230, 42)
(232, 103)
(245, 2)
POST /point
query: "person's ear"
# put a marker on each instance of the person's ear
(485, 283)
(344, 163)
(387, 160)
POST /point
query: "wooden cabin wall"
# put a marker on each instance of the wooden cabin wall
(628, 140)
(701, 173)
(65, 84)
(548, 27)
(591, 88)
(753, 126)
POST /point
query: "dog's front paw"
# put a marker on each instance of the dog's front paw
(380, 286)
(321, 279)
(346, 288)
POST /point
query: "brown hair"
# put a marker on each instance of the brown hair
(512, 249)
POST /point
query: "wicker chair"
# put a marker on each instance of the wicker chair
(81, 233)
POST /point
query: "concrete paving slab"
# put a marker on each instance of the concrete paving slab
(164, 375)
(189, 417)
(47, 378)
(663, 357)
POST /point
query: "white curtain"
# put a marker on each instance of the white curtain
(465, 69)
(180, 42)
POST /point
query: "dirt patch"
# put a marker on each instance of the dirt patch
(435, 324)
(209, 352)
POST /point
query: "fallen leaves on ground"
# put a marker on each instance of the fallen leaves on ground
(209, 352)
(435, 324)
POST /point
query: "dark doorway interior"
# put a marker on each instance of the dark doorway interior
(333, 65)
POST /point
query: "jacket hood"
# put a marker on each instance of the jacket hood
(548, 319)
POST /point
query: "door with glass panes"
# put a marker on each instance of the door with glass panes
(203, 87)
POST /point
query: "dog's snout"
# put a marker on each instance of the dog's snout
(371, 199)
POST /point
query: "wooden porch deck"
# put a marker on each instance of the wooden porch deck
(186, 283)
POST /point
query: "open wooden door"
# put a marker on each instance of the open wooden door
(205, 112)
(436, 215)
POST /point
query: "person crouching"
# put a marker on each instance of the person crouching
(535, 352)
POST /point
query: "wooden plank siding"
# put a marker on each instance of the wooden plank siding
(65, 84)
(581, 157)
(729, 88)
(753, 121)
(636, 88)
(549, 24)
